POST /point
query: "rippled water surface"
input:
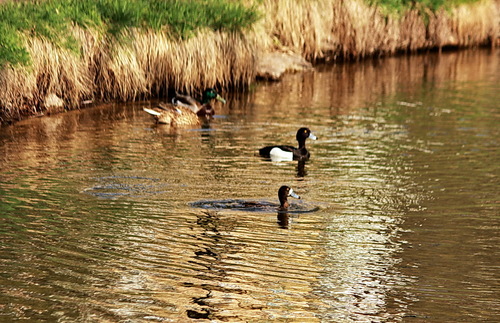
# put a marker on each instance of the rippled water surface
(102, 214)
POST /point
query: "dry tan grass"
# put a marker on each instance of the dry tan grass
(53, 70)
(152, 63)
(148, 63)
(473, 25)
(351, 29)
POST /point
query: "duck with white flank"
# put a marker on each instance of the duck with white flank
(288, 153)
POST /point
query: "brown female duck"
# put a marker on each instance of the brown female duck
(184, 109)
(173, 116)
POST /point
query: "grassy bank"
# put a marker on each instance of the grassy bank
(53, 20)
(125, 50)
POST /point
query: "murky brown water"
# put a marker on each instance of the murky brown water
(97, 224)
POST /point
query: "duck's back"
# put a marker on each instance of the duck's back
(174, 116)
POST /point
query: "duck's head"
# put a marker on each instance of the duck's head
(303, 134)
(210, 94)
(283, 193)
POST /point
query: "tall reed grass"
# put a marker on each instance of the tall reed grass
(328, 29)
(119, 53)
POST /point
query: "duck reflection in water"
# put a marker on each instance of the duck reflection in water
(301, 169)
(284, 220)
(213, 248)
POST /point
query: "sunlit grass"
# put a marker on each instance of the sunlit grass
(53, 19)
(399, 6)
(180, 19)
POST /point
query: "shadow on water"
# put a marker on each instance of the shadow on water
(105, 216)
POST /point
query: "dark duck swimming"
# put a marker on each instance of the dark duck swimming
(258, 206)
(286, 153)
(283, 193)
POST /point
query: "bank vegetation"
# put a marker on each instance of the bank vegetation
(60, 54)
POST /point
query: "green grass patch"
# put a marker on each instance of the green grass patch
(400, 6)
(52, 19)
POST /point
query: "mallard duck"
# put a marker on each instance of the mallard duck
(203, 108)
(287, 153)
(173, 116)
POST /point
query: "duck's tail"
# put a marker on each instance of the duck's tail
(152, 112)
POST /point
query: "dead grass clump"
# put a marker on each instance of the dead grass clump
(474, 25)
(152, 63)
(328, 29)
(54, 70)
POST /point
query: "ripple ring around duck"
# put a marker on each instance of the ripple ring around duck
(259, 205)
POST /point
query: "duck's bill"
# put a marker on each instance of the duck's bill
(221, 99)
(313, 137)
(293, 194)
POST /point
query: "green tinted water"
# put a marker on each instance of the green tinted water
(97, 220)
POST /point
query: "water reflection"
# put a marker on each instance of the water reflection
(301, 168)
(214, 248)
(98, 220)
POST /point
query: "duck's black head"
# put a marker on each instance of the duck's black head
(210, 94)
(303, 134)
(283, 193)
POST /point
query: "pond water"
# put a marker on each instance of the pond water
(104, 216)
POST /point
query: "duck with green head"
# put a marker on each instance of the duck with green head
(184, 109)
(201, 108)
